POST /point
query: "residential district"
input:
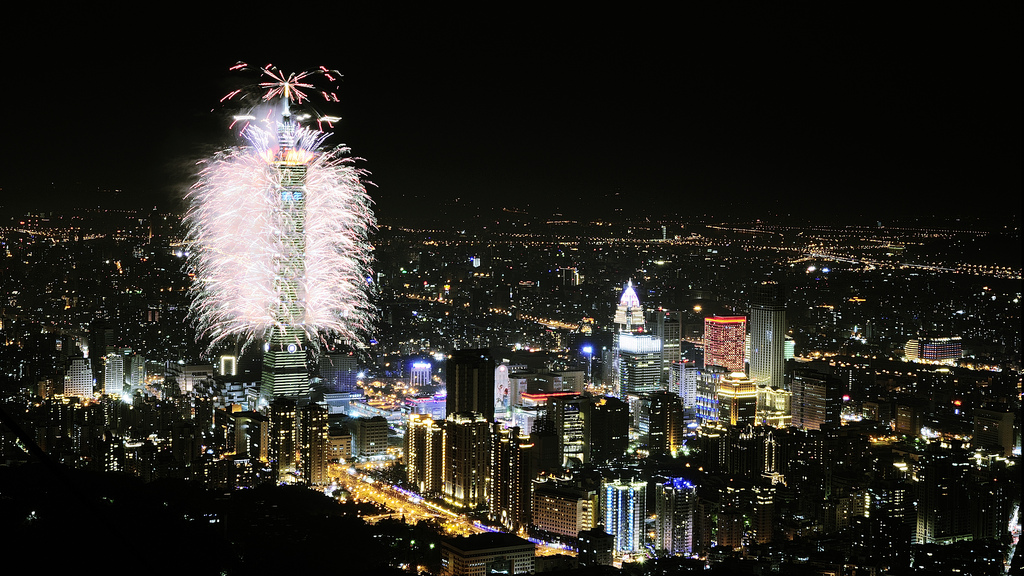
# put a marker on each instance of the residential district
(538, 395)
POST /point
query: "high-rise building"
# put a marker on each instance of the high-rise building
(563, 509)
(629, 316)
(993, 430)
(78, 380)
(466, 459)
(419, 375)
(724, 341)
(510, 477)
(683, 381)
(609, 429)
(666, 425)
(624, 511)
(283, 438)
(768, 335)
(339, 372)
(113, 373)
(708, 379)
(470, 383)
(737, 400)
(571, 422)
(314, 448)
(816, 400)
(424, 443)
(137, 376)
(675, 501)
(371, 437)
(284, 353)
(774, 406)
(639, 363)
(669, 328)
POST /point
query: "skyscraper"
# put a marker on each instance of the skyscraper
(284, 354)
(768, 335)
(639, 363)
(674, 505)
(624, 510)
(724, 341)
(816, 400)
(313, 446)
(737, 400)
(510, 477)
(283, 438)
(466, 459)
(470, 383)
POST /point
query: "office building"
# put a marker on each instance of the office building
(816, 400)
(666, 425)
(470, 383)
(339, 372)
(609, 429)
(78, 380)
(993, 430)
(371, 437)
(768, 335)
(737, 400)
(639, 364)
(570, 417)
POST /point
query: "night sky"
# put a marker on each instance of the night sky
(749, 109)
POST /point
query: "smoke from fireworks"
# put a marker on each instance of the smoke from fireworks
(235, 224)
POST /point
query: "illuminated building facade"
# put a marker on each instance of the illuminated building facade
(768, 335)
(488, 553)
(284, 354)
(563, 509)
(424, 443)
(624, 510)
(675, 501)
(571, 419)
(78, 380)
(666, 425)
(283, 438)
(942, 350)
(511, 473)
(314, 447)
(465, 459)
(724, 342)
(737, 400)
(639, 363)
(774, 406)
(113, 374)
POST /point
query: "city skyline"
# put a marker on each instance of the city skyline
(753, 111)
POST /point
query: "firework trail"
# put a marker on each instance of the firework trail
(266, 254)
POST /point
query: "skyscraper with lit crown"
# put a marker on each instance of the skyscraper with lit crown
(284, 355)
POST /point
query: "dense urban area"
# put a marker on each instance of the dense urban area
(538, 394)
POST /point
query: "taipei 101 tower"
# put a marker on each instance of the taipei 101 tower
(278, 237)
(284, 355)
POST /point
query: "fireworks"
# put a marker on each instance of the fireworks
(278, 230)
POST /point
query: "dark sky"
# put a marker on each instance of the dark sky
(752, 108)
